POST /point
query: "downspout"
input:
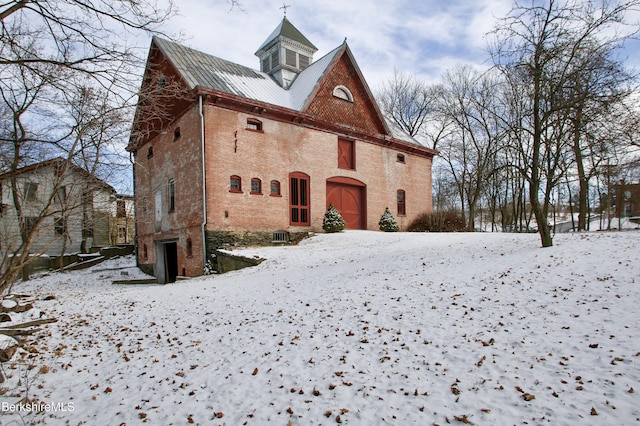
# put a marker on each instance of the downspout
(135, 209)
(204, 186)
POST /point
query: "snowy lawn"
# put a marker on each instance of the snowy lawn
(356, 328)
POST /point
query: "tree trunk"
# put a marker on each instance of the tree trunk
(582, 178)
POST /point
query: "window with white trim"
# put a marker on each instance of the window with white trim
(341, 92)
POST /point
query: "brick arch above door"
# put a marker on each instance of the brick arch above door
(349, 197)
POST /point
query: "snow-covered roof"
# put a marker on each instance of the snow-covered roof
(201, 69)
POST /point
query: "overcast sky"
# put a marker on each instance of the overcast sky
(422, 37)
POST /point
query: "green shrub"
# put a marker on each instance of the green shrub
(333, 221)
(388, 223)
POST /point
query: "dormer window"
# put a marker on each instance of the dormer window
(342, 92)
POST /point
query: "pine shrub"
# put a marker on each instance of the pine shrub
(388, 223)
(333, 221)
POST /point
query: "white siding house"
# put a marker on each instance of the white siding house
(69, 210)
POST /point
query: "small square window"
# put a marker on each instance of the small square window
(400, 158)
(275, 188)
(235, 184)
(60, 226)
(253, 124)
(256, 186)
(176, 134)
(31, 191)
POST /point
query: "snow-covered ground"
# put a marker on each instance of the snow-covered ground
(356, 328)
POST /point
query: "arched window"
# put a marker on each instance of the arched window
(235, 184)
(299, 185)
(342, 92)
(256, 186)
(275, 188)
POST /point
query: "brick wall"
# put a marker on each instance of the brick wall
(360, 114)
(282, 148)
(271, 154)
(178, 160)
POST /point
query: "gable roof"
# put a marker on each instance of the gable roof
(286, 29)
(60, 161)
(200, 69)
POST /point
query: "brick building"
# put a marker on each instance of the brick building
(225, 153)
(627, 199)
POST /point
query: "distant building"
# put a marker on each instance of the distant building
(122, 220)
(255, 156)
(72, 210)
(627, 199)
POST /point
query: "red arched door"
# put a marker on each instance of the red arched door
(348, 196)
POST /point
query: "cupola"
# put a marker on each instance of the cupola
(285, 53)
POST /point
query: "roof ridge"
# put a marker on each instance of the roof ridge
(286, 29)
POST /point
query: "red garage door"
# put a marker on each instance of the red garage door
(348, 197)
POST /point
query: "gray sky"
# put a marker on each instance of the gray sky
(420, 37)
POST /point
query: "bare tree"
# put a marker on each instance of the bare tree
(409, 102)
(470, 146)
(538, 48)
(69, 73)
(86, 37)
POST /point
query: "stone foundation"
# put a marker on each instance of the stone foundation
(227, 240)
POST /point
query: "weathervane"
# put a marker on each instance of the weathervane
(285, 7)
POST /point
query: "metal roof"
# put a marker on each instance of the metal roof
(201, 69)
(286, 29)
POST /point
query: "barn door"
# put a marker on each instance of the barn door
(348, 197)
(299, 199)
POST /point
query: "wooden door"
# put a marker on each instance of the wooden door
(349, 201)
